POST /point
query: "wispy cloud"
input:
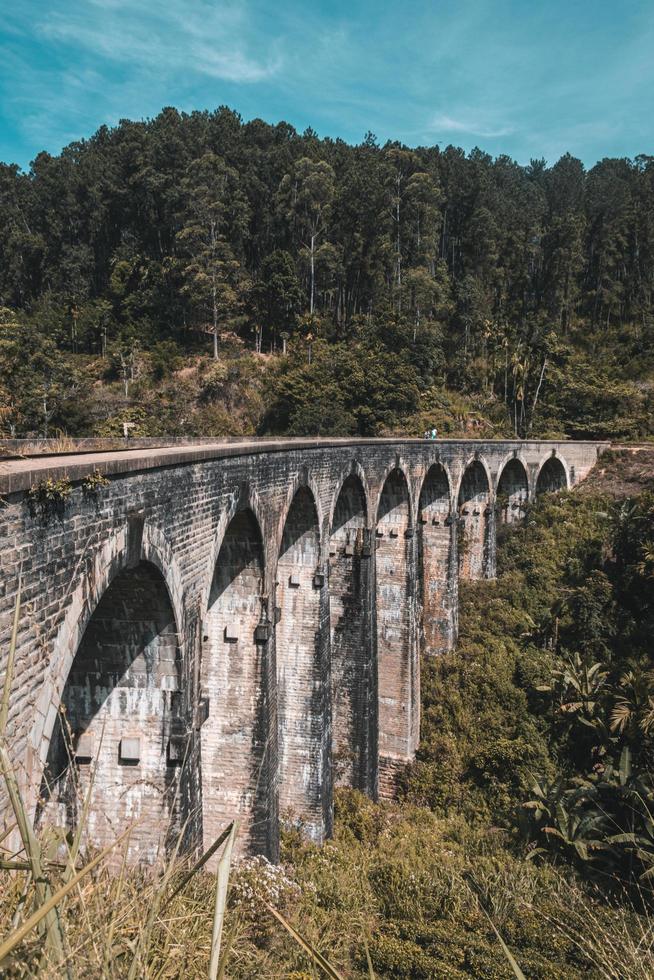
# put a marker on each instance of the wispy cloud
(442, 123)
(200, 38)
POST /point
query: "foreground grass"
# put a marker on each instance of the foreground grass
(417, 891)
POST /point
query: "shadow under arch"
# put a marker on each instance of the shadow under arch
(512, 491)
(244, 498)
(118, 734)
(436, 576)
(552, 476)
(352, 682)
(302, 701)
(473, 506)
(353, 472)
(234, 738)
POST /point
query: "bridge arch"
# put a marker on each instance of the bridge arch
(474, 505)
(245, 497)
(117, 675)
(234, 738)
(303, 480)
(552, 475)
(301, 654)
(350, 597)
(435, 546)
(439, 464)
(393, 470)
(354, 469)
(512, 490)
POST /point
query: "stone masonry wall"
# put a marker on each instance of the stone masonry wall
(202, 618)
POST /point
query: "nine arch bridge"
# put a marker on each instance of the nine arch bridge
(228, 630)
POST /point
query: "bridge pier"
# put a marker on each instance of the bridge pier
(435, 572)
(302, 651)
(236, 733)
(476, 550)
(397, 667)
(353, 690)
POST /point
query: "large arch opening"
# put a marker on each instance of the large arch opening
(118, 735)
(474, 539)
(397, 674)
(303, 737)
(552, 476)
(234, 759)
(436, 576)
(512, 492)
(351, 646)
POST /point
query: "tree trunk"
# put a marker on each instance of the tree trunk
(538, 387)
(399, 250)
(313, 271)
(215, 319)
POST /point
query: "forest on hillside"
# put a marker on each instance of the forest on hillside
(196, 274)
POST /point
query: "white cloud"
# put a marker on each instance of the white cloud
(179, 36)
(468, 126)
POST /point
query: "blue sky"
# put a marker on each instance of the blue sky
(525, 78)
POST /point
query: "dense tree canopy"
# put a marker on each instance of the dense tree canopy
(530, 287)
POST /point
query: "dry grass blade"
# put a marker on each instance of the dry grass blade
(222, 881)
(197, 866)
(55, 939)
(5, 833)
(15, 866)
(73, 851)
(4, 710)
(109, 941)
(317, 957)
(225, 953)
(371, 972)
(16, 937)
(505, 949)
(507, 952)
(144, 940)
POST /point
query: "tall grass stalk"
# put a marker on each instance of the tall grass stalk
(50, 921)
(222, 883)
(15, 938)
(313, 953)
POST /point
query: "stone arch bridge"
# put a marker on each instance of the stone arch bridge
(227, 630)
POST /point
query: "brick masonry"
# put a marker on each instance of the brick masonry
(229, 630)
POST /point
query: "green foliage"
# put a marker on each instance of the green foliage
(545, 711)
(42, 388)
(519, 289)
(48, 497)
(94, 482)
(346, 389)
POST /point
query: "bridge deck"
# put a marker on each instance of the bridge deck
(18, 473)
